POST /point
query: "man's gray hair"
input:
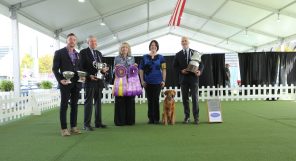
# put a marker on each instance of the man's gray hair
(90, 37)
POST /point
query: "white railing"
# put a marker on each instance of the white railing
(44, 100)
(249, 93)
(223, 93)
(35, 102)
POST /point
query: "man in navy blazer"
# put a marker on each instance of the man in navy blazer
(93, 85)
(188, 80)
(67, 59)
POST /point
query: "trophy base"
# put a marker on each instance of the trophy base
(100, 76)
(81, 81)
(191, 68)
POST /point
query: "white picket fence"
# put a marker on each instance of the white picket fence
(223, 93)
(249, 93)
(33, 103)
(36, 102)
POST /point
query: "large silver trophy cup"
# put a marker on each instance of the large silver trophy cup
(99, 66)
(194, 62)
(81, 74)
(68, 75)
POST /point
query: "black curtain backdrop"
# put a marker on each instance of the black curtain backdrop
(258, 68)
(218, 69)
(265, 67)
(213, 74)
(255, 68)
(287, 70)
(291, 68)
(214, 70)
(272, 68)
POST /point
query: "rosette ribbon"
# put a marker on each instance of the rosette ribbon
(120, 82)
(134, 85)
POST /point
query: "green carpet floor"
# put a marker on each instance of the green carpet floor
(251, 131)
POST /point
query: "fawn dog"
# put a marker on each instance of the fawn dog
(168, 115)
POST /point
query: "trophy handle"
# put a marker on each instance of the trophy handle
(95, 64)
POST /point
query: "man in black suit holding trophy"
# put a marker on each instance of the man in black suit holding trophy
(91, 59)
(188, 79)
(65, 67)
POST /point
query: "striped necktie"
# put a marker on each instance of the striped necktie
(94, 55)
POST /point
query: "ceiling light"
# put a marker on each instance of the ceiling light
(102, 23)
(81, 1)
(246, 32)
(114, 37)
(278, 17)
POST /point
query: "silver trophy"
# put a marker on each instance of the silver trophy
(99, 66)
(194, 62)
(81, 74)
(68, 75)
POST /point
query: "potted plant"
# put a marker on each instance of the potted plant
(6, 85)
(45, 85)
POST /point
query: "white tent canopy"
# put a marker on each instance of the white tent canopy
(230, 25)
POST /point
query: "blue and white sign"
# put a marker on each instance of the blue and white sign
(214, 110)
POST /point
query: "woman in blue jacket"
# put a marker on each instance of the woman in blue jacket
(153, 75)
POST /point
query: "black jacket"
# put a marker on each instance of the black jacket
(86, 64)
(62, 62)
(180, 63)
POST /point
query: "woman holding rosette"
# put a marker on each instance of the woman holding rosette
(124, 113)
(153, 75)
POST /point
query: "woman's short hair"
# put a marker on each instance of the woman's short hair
(156, 44)
(128, 46)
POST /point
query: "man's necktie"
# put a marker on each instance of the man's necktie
(94, 55)
(97, 57)
(187, 56)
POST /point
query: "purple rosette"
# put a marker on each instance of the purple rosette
(134, 85)
(120, 82)
(120, 71)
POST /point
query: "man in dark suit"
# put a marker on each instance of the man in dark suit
(67, 59)
(188, 80)
(93, 85)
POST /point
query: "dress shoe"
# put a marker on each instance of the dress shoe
(150, 122)
(75, 130)
(186, 120)
(88, 128)
(65, 132)
(101, 126)
(196, 121)
(156, 122)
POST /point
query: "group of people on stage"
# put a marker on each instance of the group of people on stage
(152, 72)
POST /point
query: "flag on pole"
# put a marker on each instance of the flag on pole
(177, 14)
